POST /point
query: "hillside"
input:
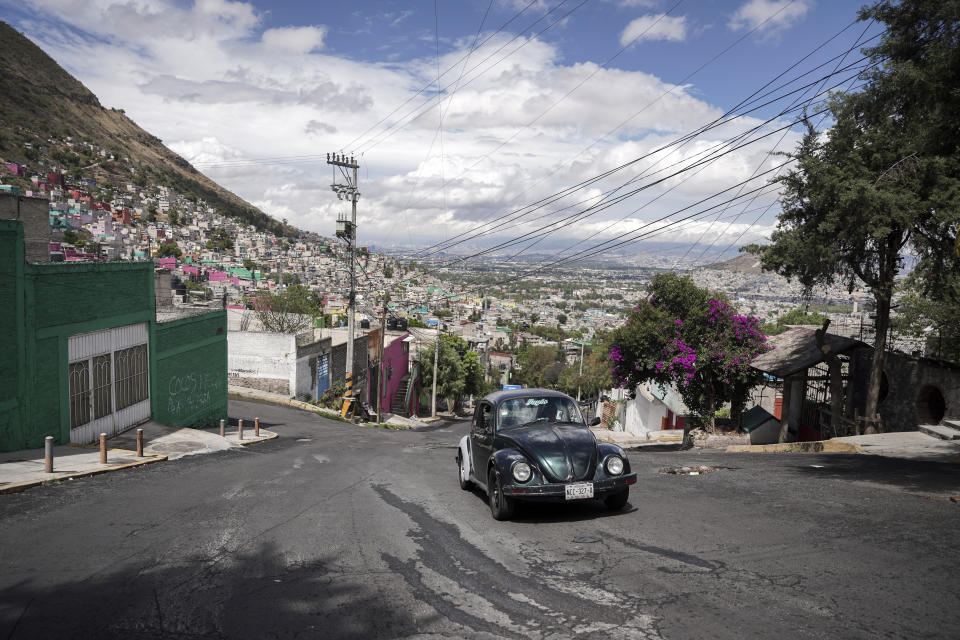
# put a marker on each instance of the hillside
(744, 263)
(41, 103)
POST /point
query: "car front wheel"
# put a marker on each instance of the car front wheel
(500, 505)
(464, 474)
(617, 500)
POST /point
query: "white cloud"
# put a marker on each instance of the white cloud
(782, 14)
(655, 27)
(294, 39)
(221, 93)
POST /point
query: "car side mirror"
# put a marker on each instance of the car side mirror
(595, 421)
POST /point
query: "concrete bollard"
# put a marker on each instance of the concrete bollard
(240, 429)
(139, 443)
(48, 454)
(223, 428)
(103, 448)
(256, 426)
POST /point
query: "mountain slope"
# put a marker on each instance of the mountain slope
(744, 263)
(39, 100)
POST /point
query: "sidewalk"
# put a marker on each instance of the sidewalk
(912, 445)
(20, 470)
(909, 445)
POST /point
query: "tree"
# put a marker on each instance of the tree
(886, 180)
(798, 316)
(534, 318)
(450, 372)
(561, 318)
(933, 320)
(387, 272)
(168, 248)
(536, 366)
(474, 383)
(290, 311)
(250, 265)
(220, 240)
(686, 337)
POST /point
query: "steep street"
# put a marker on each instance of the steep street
(340, 531)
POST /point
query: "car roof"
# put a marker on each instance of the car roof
(499, 396)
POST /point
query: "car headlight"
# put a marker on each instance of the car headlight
(614, 465)
(521, 472)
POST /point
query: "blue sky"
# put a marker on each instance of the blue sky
(254, 93)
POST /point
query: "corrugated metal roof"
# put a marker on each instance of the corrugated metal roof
(796, 350)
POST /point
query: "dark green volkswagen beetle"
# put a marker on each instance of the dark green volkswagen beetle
(533, 444)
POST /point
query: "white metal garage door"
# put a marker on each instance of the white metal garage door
(109, 381)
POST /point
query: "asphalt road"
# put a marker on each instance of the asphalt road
(340, 531)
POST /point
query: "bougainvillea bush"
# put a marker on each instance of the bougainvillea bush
(696, 341)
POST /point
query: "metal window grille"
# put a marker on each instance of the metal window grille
(79, 393)
(131, 375)
(102, 401)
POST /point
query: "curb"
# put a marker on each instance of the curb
(246, 443)
(817, 446)
(278, 402)
(22, 486)
(306, 406)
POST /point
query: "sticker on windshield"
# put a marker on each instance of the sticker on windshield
(532, 402)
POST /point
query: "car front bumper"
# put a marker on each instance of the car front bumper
(558, 491)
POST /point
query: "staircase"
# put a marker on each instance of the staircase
(397, 405)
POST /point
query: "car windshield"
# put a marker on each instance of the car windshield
(516, 412)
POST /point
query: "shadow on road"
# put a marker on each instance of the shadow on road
(532, 512)
(256, 594)
(910, 475)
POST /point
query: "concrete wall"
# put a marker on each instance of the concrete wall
(265, 361)
(644, 413)
(914, 386)
(396, 361)
(42, 306)
(338, 366)
(12, 347)
(35, 215)
(188, 385)
(306, 375)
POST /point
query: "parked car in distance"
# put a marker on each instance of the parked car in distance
(534, 445)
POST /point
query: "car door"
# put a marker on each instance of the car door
(481, 437)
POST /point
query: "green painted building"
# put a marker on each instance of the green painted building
(83, 351)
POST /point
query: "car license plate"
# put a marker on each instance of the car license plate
(579, 490)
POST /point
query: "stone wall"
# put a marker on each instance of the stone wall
(913, 391)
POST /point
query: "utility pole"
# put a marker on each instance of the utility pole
(347, 230)
(581, 369)
(436, 354)
(383, 335)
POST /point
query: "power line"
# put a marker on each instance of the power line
(723, 119)
(692, 165)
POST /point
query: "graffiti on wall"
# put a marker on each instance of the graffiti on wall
(192, 392)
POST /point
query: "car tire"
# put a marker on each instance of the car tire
(501, 507)
(617, 500)
(462, 476)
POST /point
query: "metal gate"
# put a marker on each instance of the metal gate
(323, 374)
(109, 381)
